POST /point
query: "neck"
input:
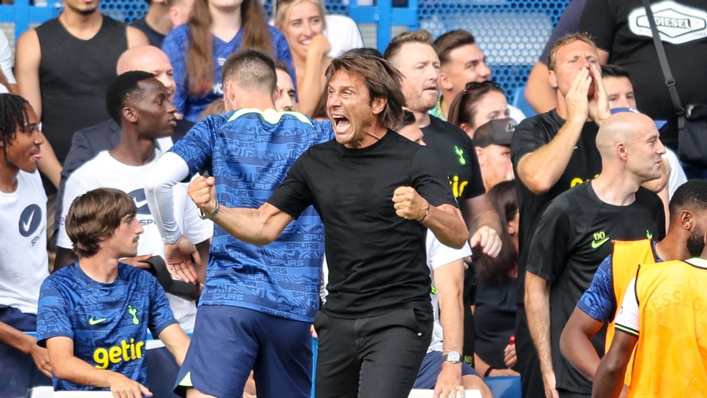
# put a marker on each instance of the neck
(374, 134)
(225, 23)
(616, 189)
(100, 267)
(133, 150)
(673, 246)
(157, 18)
(446, 103)
(252, 100)
(423, 118)
(8, 177)
(75, 20)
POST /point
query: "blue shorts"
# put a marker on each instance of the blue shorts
(430, 369)
(229, 342)
(18, 372)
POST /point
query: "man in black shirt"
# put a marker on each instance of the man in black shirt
(377, 194)
(571, 240)
(551, 153)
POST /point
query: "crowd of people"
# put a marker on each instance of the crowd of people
(230, 191)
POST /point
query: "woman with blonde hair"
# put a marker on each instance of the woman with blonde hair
(197, 49)
(302, 23)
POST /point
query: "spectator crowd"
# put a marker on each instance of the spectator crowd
(204, 202)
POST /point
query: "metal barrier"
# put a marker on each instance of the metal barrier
(511, 33)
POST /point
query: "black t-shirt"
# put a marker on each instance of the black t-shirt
(454, 150)
(584, 165)
(621, 28)
(572, 239)
(495, 320)
(377, 261)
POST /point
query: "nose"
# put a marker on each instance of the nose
(661, 148)
(307, 30)
(171, 109)
(39, 138)
(333, 100)
(484, 71)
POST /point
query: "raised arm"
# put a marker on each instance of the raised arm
(67, 367)
(537, 305)
(445, 220)
(541, 169)
(256, 226)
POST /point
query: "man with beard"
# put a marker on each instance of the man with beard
(64, 68)
(572, 235)
(671, 348)
(599, 304)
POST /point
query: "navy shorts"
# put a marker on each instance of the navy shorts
(229, 342)
(430, 369)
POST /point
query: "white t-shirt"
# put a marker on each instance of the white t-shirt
(343, 34)
(23, 243)
(6, 62)
(104, 171)
(677, 175)
(515, 113)
(628, 316)
(437, 256)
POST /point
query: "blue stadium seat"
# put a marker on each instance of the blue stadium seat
(518, 100)
(504, 386)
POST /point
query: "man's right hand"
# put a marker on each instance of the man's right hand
(180, 258)
(203, 192)
(549, 383)
(122, 387)
(41, 359)
(577, 101)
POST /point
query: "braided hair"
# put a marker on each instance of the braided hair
(13, 113)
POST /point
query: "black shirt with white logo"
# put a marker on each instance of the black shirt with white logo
(455, 151)
(584, 165)
(621, 28)
(572, 239)
(377, 260)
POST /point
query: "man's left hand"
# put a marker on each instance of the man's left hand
(488, 240)
(178, 257)
(449, 381)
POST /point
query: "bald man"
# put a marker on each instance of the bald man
(105, 136)
(573, 236)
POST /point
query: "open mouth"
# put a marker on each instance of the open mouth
(36, 156)
(341, 123)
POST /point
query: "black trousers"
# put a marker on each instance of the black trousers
(371, 357)
(528, 364)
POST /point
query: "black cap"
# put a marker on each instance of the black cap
(496, 131)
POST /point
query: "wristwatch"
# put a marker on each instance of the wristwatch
(452, 357)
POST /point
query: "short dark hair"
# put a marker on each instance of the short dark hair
(408, 119)
(416, 36)
(282, 65)
(95, 215)
(121, 89)
(691, 196)
(564, 41)
(451, 41)
(614, 71)
(250, 69)
(382, 80)
(463, 108)
(13, 115)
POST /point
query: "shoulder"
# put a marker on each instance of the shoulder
(61, 278)
(177, 36)
(99, 132)
(135, 274)
(275, 33)
(647, 197)
(88, 170)
(439, 125)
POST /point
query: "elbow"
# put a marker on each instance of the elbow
(566, 339)
(152, 181)
(537, 184)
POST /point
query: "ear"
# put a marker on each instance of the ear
(622, 151)
(552, 79)
(511, 230)
(445, 82)
(686, 220)
(480, 154)
(130, 115)
(468, 130)
(378, 104)
(174, 15)
(277, 93)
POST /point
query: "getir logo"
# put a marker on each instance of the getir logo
(116, 354)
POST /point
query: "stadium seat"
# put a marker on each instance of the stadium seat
(504, 386)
